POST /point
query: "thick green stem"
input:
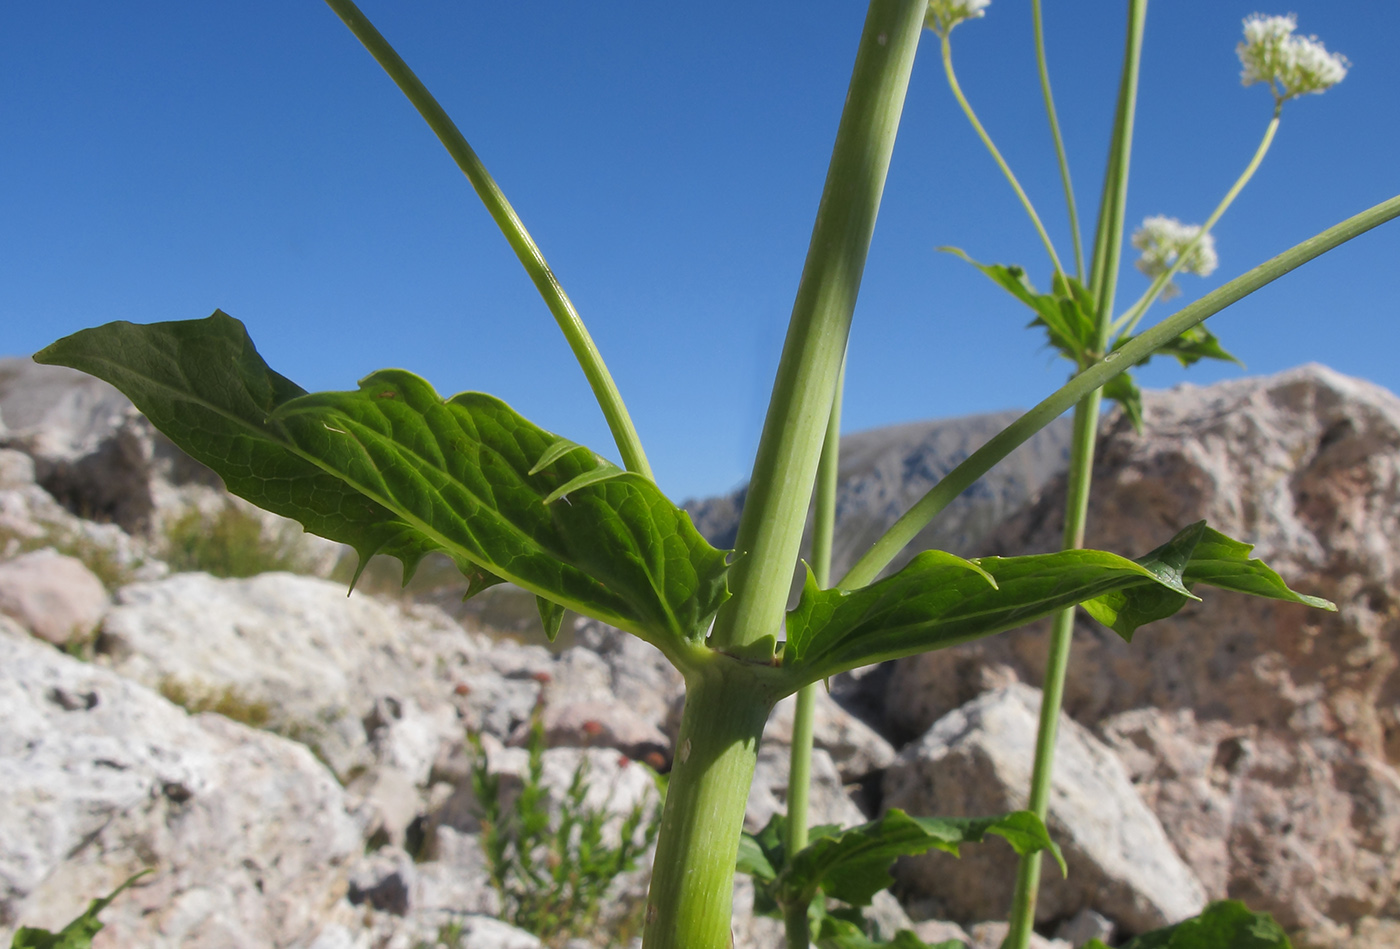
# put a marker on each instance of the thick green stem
(629, 445)
(1129, 320)
(884, 550)
(1050, 113)
(795, 919)
(996, 154)
(689, 905)
(780, 489)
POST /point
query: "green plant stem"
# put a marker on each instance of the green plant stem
(1107, 253)
(1050, 113)
(795, 919)
(780, 489)
(996, 154)
(690, 900)
(1108, 233)
(629, 445)
(884, 550)
(1129, 320)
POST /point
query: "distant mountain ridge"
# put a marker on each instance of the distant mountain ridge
(884, 471)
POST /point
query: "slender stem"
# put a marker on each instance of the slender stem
(1108, 244)
(1059, 140)
(780, 489)
(689, 904)
(1129, 320)
(796, 922)
(629, 445)
(996, 154)
(1107, 251)
(884, 550)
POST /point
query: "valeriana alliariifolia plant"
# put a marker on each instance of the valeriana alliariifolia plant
(1078, 319)
(393, 468)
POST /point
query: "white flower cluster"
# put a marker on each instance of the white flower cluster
(1162, 240)
(1292, 65)
(943, 15)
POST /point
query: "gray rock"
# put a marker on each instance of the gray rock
(1085, 925)
(884, 471)
(99, 777)
(853, 746)
(1274, 764)
(828, 802)
(362, 683)
(934, 931)
(55, 597)
(977, 760)
(992, 934)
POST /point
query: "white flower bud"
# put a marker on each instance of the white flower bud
(943, 15)
(1292, 65)
(1162, 240)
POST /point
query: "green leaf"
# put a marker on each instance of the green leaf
(77, 934)
(853, 865)
(392, 468)
(1067, 314)
(1190, 347)
(939, 600)
(841, 934)
(1197, 554)
(753, 860)
(551, 616)
(1123, 390)
(1227, 924)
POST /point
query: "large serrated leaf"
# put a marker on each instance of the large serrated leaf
(203, 384)
(939, 600)
(1196, 555)
(393, 468)
(1227, 924)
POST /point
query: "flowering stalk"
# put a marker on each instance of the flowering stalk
(991, 146)
(1081, 468)
(1060, 158)
(1186, 254)
(624, 433)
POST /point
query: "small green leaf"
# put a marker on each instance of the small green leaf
(1227, 924)
(1123, 390)
(853, 865)
(77, 934)
(392, 468)
(1190, 347)
(753, 860)
(551, 616)
(938, 600)
(1067, 314)
(1198, 554)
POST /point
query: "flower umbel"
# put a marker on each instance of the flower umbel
(1291, 65)
(943, 15)
(1165, 240)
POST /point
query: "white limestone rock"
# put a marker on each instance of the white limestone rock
(977, 761)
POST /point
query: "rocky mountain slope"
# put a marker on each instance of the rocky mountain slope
(295, 764)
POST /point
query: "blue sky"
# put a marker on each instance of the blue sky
(163, 159)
